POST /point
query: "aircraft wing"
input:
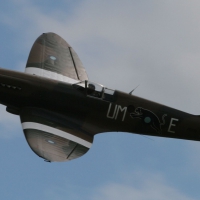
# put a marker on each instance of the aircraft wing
(51, 136)
(52, 57)
(48, 134)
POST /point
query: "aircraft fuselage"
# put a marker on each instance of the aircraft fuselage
(92, 115)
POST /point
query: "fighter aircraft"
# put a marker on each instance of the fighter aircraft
(61, 110)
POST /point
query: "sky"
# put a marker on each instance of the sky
(151, 43)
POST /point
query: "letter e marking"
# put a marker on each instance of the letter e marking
(171, 124)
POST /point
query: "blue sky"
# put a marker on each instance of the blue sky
(122, 44)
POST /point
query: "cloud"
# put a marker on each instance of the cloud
(151, 43)
(140, 185)
(140, 42)
(122, 44)
(144, 186)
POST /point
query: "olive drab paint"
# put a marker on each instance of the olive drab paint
(61, 110)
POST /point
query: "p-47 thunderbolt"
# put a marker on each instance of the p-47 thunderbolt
(61, 110)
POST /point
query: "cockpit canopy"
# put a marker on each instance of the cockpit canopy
(95, 90)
